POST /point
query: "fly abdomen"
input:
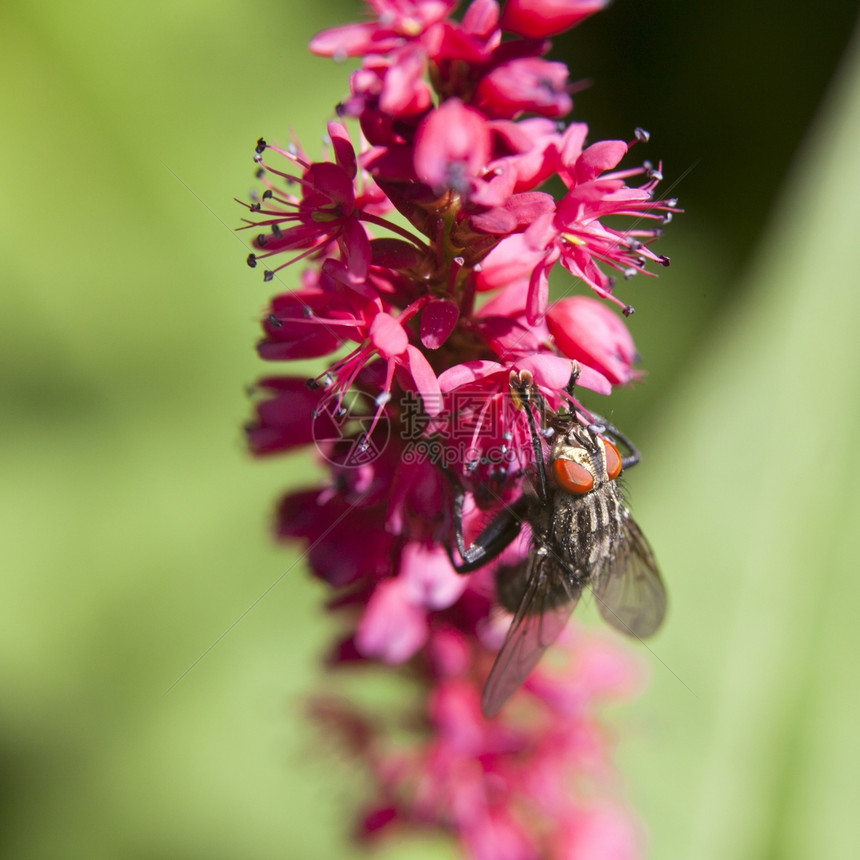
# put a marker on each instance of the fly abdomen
(585, 528)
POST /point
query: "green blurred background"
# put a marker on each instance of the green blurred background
(134, 526)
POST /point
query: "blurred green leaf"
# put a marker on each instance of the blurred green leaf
(750, 498)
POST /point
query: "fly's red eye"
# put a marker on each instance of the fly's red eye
(613, 460)
(572, 477)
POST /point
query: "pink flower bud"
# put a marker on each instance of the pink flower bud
(540, 18)
(452, 146)
(586, 330)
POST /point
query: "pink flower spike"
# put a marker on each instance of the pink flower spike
(452, 147)
(426, 234)
(538, 19)
(587, 331)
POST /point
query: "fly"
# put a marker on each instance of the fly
(582, 536)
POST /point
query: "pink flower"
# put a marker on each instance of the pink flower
(417, 323)
(398, 22)
(525, 84)
(575, 233)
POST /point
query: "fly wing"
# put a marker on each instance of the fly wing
(628, 589)
(546, 605)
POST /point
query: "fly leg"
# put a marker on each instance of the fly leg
(601, 426)
(604, 428)
(525, 393)
(493, 540)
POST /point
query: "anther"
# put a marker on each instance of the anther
(261, 146)
(275, 322)
(641, 135)
(261, 240)
(628, 311)
(268, 194)
(664, 260)
(252, 260)
(268, 275)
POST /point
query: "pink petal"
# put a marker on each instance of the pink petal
(356, 249)
(481, 18)
(387, 335)
(348, 40)
(513, 258)
(284, 419)
(437, 322)
(598, 158)
(392, 628)
(469, 371)
(344, 153)
(429, 579)
(425, 380)
(593, 381)
(538, 295)
(550, 371)
(404, 91)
